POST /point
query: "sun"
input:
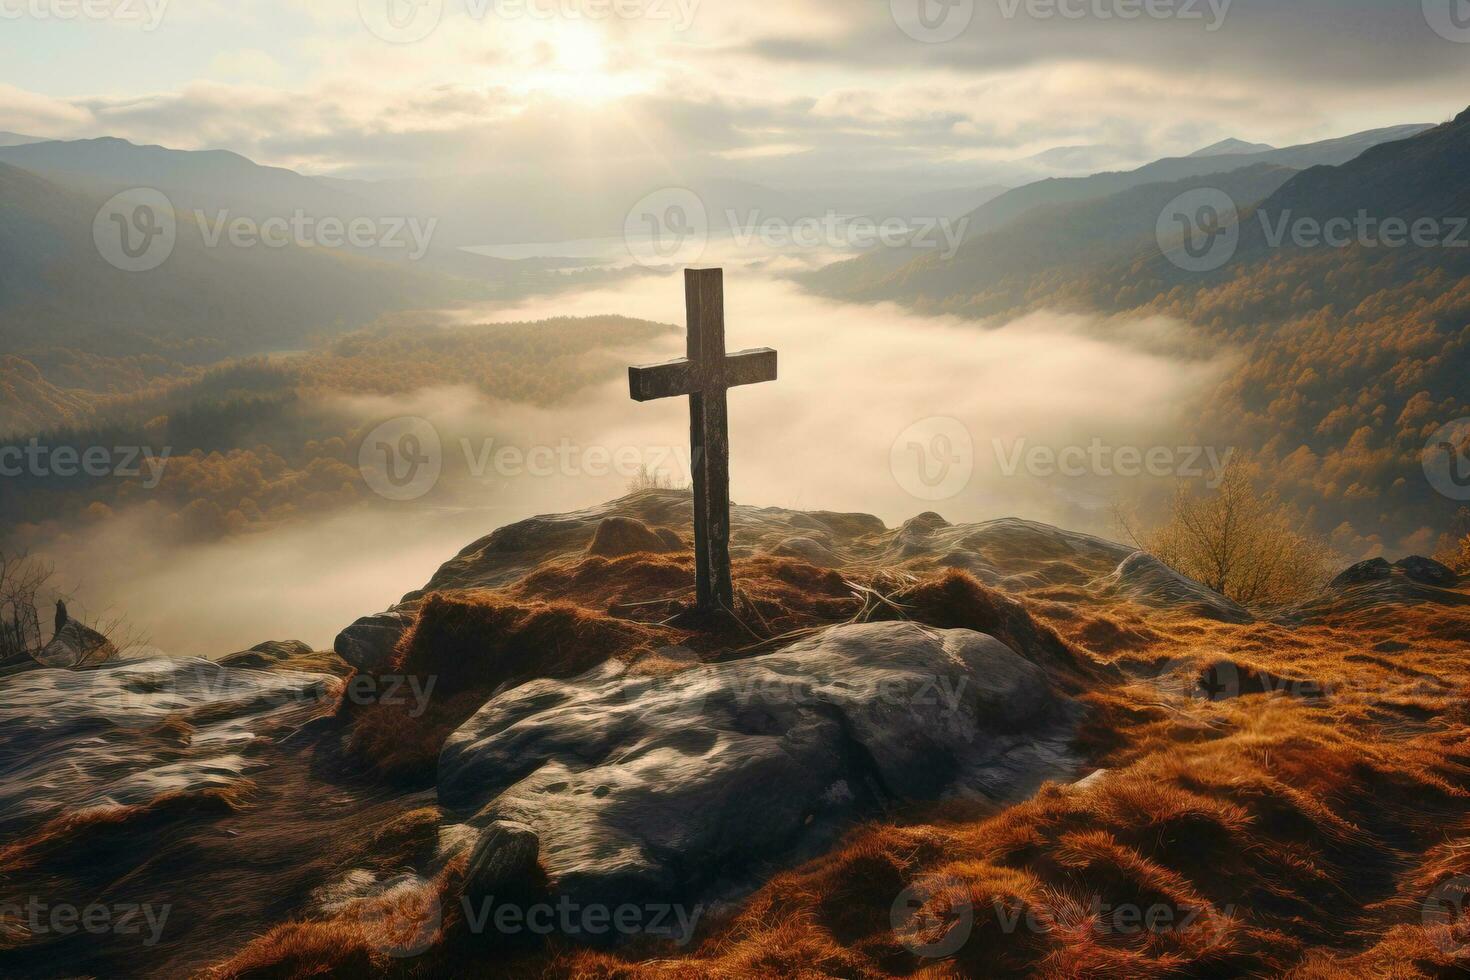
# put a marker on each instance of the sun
(579, 49)
(574, 62)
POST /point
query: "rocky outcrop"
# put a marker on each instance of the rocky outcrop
(75, 645)
(130, 732)
(1375, 584)
(663, 788)
(1372, 570)
(1427, 571)
(368, 644)
(1010, 554)
(1144, 579)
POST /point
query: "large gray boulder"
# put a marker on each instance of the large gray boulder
(643, 788)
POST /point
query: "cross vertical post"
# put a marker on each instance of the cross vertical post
(709, 438)
(705, 375)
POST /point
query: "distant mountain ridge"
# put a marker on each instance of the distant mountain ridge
(1229, 146)
(857, 276)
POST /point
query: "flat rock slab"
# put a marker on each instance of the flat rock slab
(132, 731)
(667, 788)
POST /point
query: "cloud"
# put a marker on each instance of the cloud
(744, 85)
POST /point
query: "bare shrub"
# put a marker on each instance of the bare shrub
(22, 580)
(1454, 544)
(646, 479)
(1245, 544)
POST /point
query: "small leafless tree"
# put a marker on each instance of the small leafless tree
(22, 581)
(1243, 543)
(646, 479)
(1454, 546)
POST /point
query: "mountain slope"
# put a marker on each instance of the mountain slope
(1001, 270)
(208, 179)
(202, 302)
(856, 274)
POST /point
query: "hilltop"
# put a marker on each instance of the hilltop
(936, 745)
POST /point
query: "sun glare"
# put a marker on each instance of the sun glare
(573, 63)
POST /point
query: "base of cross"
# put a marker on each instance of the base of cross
(706, 619)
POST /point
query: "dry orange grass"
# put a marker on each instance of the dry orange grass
(1292, 833)
(1295, 835)
(71, 839)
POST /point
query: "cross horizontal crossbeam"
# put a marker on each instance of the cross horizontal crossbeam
(683, 377)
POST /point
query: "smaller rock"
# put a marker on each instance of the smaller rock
(618, 536)
(1088, 782)
(1427, 571)
(368, 644)
(1372, 570)
(263, 656)
(505, 861)
(75, 645)
(1144, 579)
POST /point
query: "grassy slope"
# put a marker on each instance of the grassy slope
(1296, 834)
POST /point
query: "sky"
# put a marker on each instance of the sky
(940, 92)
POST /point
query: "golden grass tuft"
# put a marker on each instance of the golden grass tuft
(469, 647)
(73, 839)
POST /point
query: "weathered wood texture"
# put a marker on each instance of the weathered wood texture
(704, 376)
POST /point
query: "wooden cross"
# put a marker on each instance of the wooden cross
(704, 376)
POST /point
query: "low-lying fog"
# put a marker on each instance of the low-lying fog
(876, 410)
